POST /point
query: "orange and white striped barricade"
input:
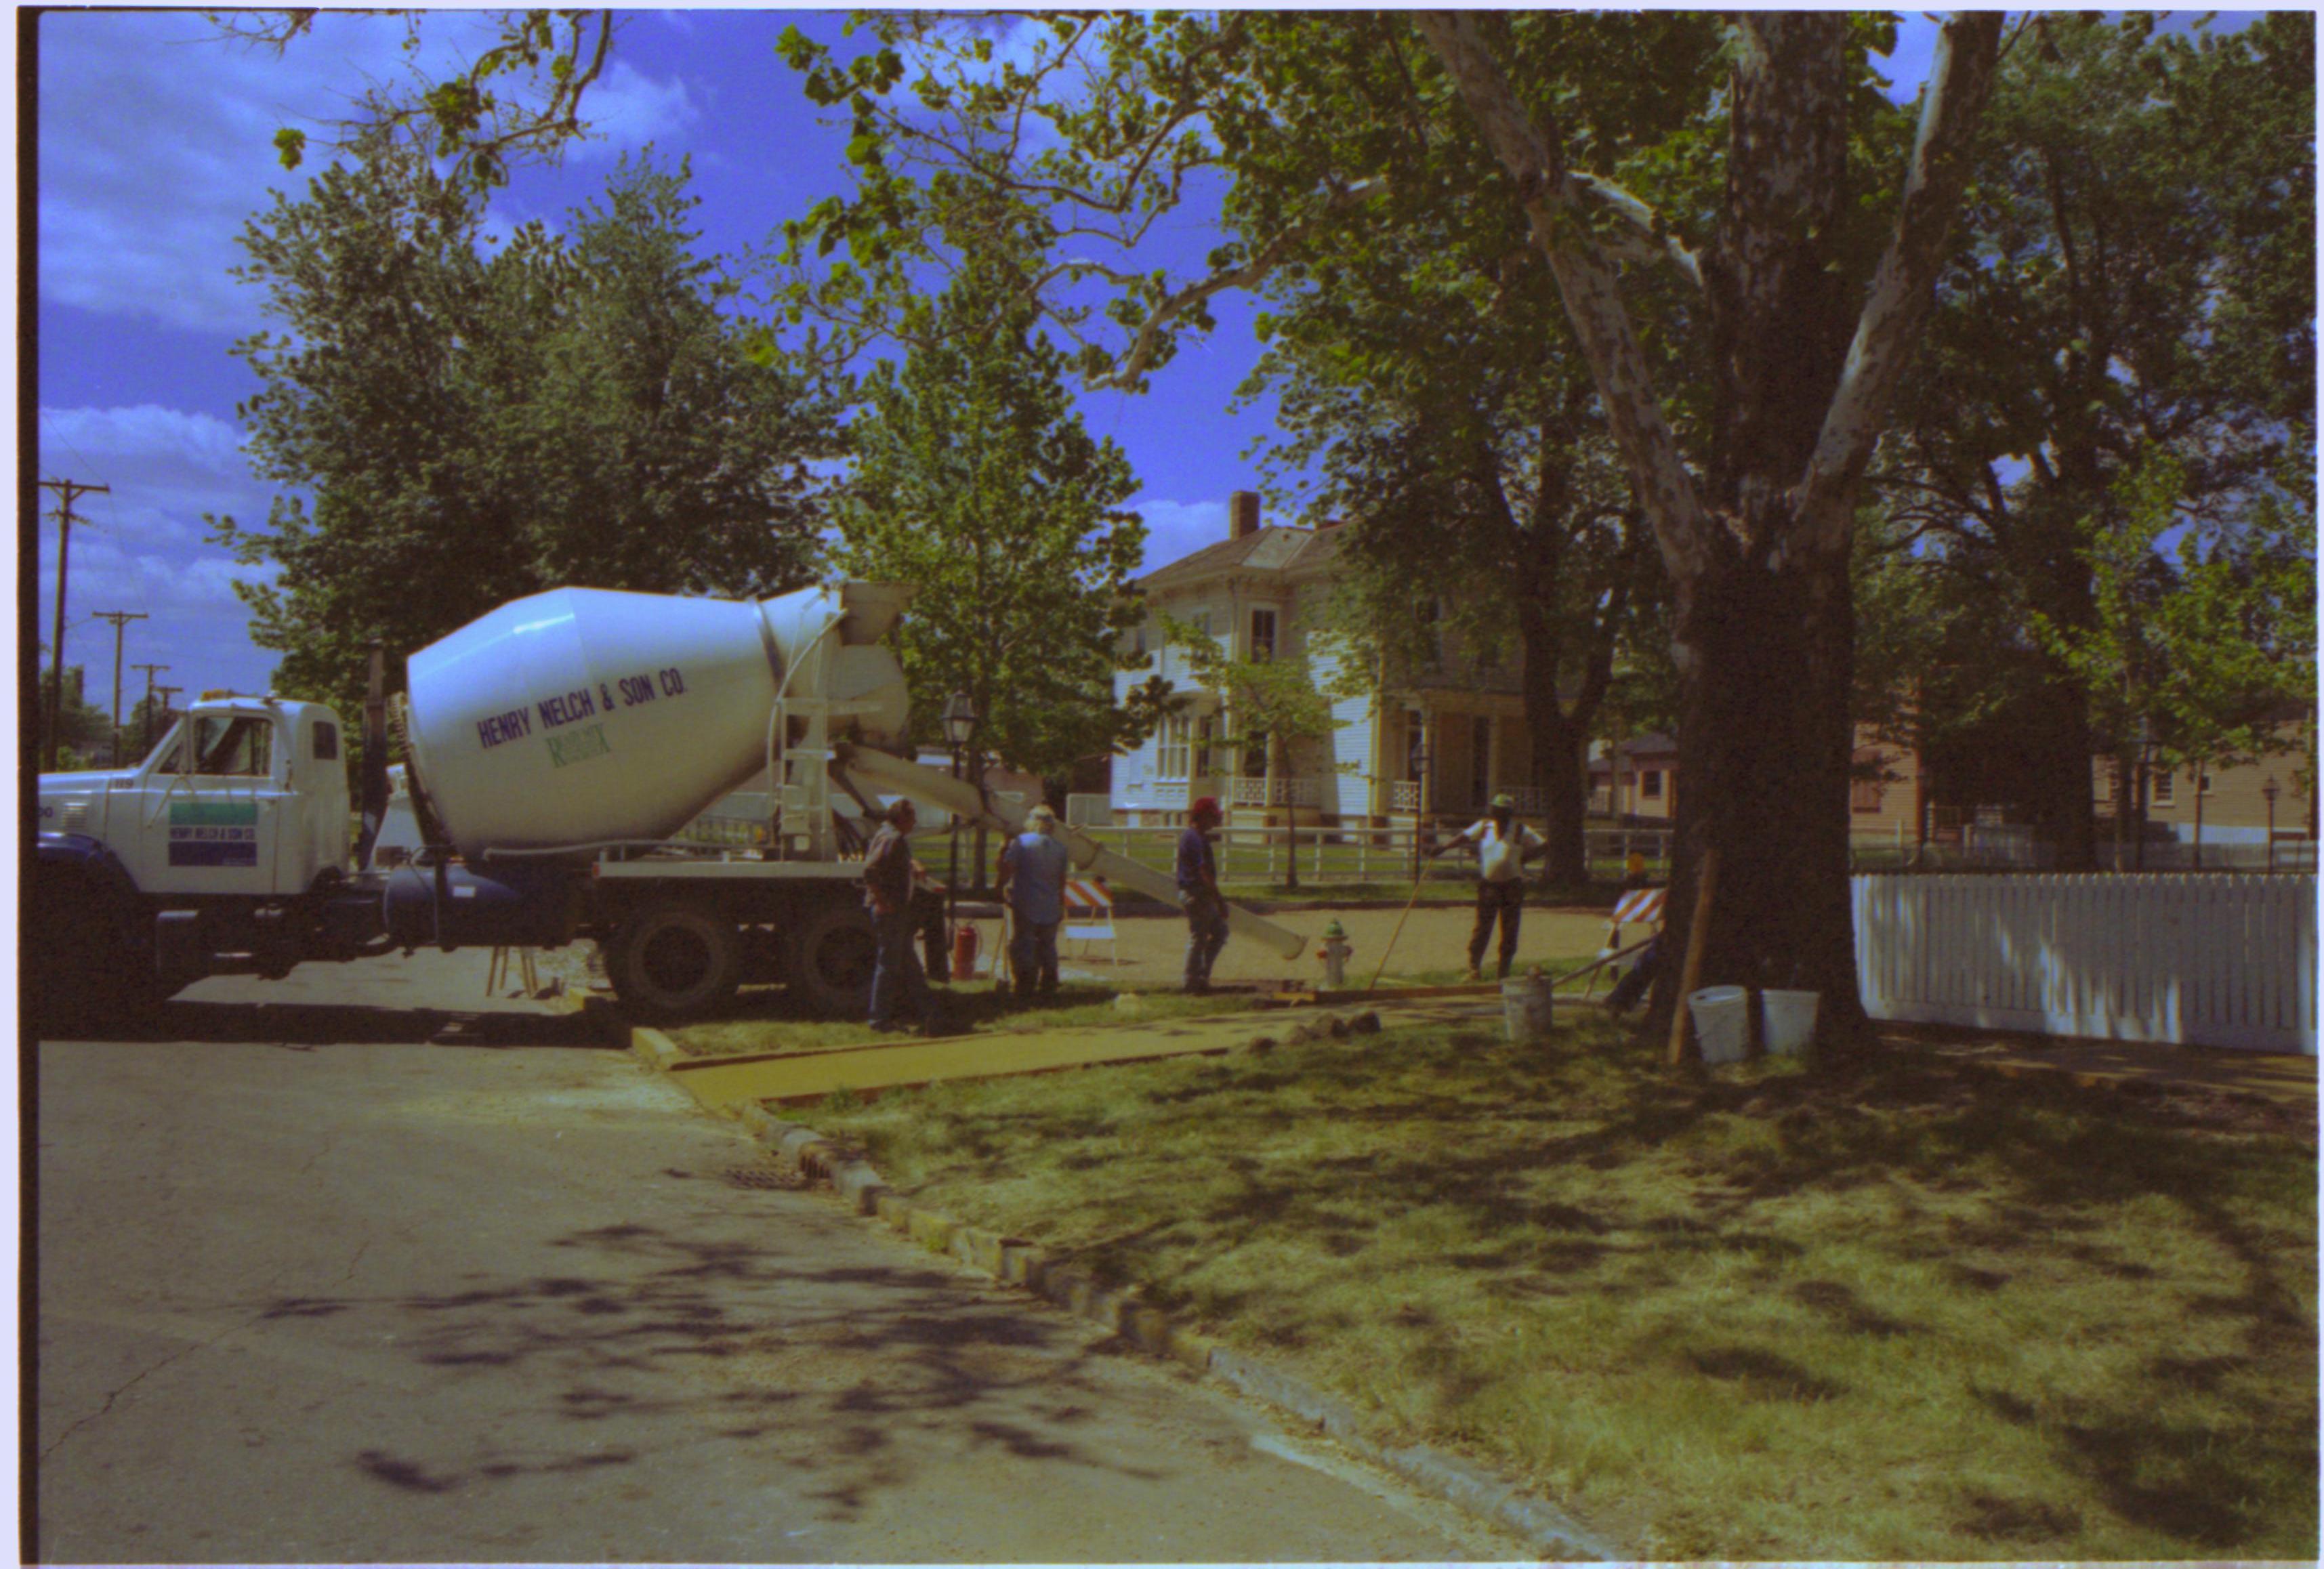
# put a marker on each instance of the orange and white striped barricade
(1639, 906)
(1089, 914)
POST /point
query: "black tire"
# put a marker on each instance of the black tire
(674, 960)
(833, 951)
(85, 968)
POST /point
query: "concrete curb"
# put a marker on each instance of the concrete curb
(1014, 1261)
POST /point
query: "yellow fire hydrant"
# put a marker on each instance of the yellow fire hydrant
(1334, 950)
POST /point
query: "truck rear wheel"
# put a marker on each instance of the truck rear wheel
(832, 952)
(674, 960)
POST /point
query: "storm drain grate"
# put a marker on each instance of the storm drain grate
(763, 1176)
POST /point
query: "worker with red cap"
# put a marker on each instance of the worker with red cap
(1198, 891)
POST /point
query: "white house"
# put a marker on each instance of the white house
(1250, 591)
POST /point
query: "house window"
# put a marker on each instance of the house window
(1205, 732)
(1415, 742)
(1262, 634)
(2163, 792)
(1175, 752)
(1480, 757)
(1138, 640)
(1864, 795)
(1650, 784)
(327, 741)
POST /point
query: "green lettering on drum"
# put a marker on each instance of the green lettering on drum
(579, 746)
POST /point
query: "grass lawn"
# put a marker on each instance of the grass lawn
(1896, 1312)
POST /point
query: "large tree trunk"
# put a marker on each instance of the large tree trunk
(1558, 741)
(1764, 744)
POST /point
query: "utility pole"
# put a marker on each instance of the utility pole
(120, 620)
(68, 492)
(149, 670)
(165, 694)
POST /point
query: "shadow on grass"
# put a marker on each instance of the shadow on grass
(2045, 1168)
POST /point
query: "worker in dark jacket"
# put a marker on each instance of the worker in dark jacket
(1198, 891)
(896, 980)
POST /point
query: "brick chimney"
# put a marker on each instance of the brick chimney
(1243, 514)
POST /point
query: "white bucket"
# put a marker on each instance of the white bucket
(1790, 1020)
(1526, 1007)
(1722, 1021)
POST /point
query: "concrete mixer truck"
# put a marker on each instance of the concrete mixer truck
(551, 749)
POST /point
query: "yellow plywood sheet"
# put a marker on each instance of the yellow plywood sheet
(810, 1075)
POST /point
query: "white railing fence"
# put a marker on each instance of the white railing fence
(1250, 791)
(2195, 960)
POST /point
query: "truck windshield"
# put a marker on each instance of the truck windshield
(234, 744)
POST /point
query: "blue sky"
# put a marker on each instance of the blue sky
(156, 147)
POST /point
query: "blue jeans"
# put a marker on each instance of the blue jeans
(897, 978)
(1033, 955)
(1206, 934)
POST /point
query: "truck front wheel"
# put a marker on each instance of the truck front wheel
(674, 960)
(85, 964)
(831, 954)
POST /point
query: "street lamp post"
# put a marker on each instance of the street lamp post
(2268, 793)
(959, 724)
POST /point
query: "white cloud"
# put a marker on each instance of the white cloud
(166, 468)
(156, 145)
(628, 109)
(140, 546)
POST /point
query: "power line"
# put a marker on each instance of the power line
(68, 492)
(120, 620)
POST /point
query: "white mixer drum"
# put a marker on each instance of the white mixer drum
(585, 715)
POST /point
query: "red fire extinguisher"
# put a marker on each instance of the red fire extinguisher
(964, 951)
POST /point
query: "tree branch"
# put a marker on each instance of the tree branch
(1130, 368)
(1651, 242)
(1587, 285)
(1960, 79)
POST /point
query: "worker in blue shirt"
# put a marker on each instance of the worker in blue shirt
(1033, 867)
(1198, 891)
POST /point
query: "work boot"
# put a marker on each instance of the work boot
(1473, 975)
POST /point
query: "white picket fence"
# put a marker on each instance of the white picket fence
(2196, 960)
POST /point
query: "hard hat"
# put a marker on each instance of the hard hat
(1504, 799)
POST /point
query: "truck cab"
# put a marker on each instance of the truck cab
(245, 797)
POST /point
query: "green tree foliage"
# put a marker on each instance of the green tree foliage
(1455, 429)
(976, 483)
(149, 719)
(1803, 285)
(465, 426)
(2200, 647)
(2135, 286)
(519, 99)
(84, 731)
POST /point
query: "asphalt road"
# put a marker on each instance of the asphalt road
(385, 1271)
